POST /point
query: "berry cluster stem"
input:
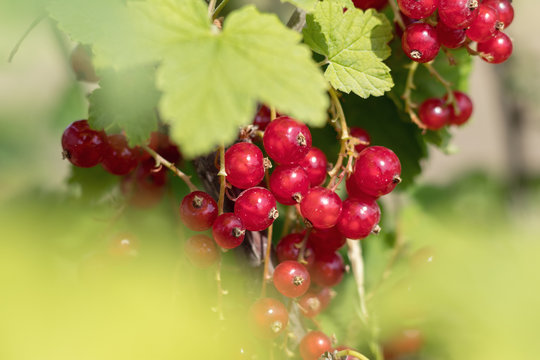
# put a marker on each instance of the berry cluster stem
(346, 148)
(447, 85)
(220, 7)
(409, 86)
(398, 19)
(266, 272)
(222, 179)
(349, 352)
(162, 161)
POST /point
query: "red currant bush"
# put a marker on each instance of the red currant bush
(321, 207)
(289, 247)
(256, 207)
(358, 218)
(82, 146)
(119, 158)
(286, 140)
(315, 164)
(434, 113)
(198, 211)
(291, 279)
(269, 317)
(377, 171)
(328, 269)
(314, 344)
(201, 251)
(228, 231)
(420, 42)
(244, 164)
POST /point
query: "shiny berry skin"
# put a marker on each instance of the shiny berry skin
(326, 240)
(505, 10)
(314, 344)
(315, 164)
(244, 164)
(198, 211)
(291, 279)
(288, 248)
(370, 4)
(269, 317)
(498, 48)
(321, 207)
(458, 14)
(354, 192)
(263, 117)
(418, 9)
(287, 141)
(289, 184)
(228, 231)
(119, 158)
(450, 38)
(328, 269)
(358, 218)
(377, 171)
(484, 25)
(256, 207)
(434, 113)
(201, 251)
(420, 43)
(361, 135)
(465, 109)
(82, 146)
(309, 304)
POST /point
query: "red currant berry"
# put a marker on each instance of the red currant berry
(326, 240)
(288, 248)
(162, 144)
(315, 164)
(286, 140)
(123, 246)
(370, 4)
(269, 317)
(119, 158)
(358, 218)
(484, 25)
(328, 269)
(465, 106)
(458, 14)
(291, 279)
(403, 344)
(434, 113)
(244, 164)
(289, 184)
(314, 344)
(418, 9)
(82, 146)
(228, 231)
(451, 38)
(325, 296)
(361, 135)
(309, 304)
(256, 207)
(377, 171)
(201, 251)
(198, 211)
(505, 10)
(420, 42)
(263, 117)
(497, 49)
(321, 207)
(355, 193)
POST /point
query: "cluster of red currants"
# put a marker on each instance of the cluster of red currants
(309, 264)
(459, 22)
(435, 113)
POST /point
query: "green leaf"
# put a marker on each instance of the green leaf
(211, 79)
(355, 43)
(127, 100)
(307, 5)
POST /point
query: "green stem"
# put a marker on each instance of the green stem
(219, 8)
(162, 161)
(349, 352)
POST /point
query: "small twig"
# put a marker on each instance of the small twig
(211, 7)
(302, 253)
(23, 37)
(346, 149)
(349, 352)
(273, 113)
(447, 85)
(219, 8)
(397, 15)
(409, 105)
(162, 161)
(449, 56)
(222, 179)
(266, 275)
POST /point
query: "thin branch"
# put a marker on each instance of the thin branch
(409, 105)
(222, 179)
(24, 36)
(447, 85)
(162, 161)
(211, 7)
(346, 149)
(219, 8)
(349, 352)
(397, 15)
(266, 275)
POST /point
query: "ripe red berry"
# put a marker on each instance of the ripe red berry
(403, 344)
(256, 207)
(458, 14)
(198, 211)
(484, 25)
(358, 218)
(370, 4)
(286, 140)
(288, 248)
(328, 269)
(451, 38)
(263, 117)
(244, 164)
(326, 240)
(228, 231)
(309, 304)
(420, 42)
(289, 184)
(361, 135)
(498, 48)
(377, 171)
(119, 158)
(269, 317)
(465, 106)
(315, 164)
(314, 344)
(82, 146)
(418, 9)
(321, 207)
(291, 279)
(354, 192)
(434, 113)
(201, 251)
(505, 10)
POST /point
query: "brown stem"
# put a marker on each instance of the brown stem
(447, 85)
(409, 105)
(222, 179)
(162, 161)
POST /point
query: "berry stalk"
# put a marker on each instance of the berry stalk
(162, 161)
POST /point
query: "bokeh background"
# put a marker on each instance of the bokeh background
(470, 225)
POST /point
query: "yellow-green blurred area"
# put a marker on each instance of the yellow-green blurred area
(465, 273)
